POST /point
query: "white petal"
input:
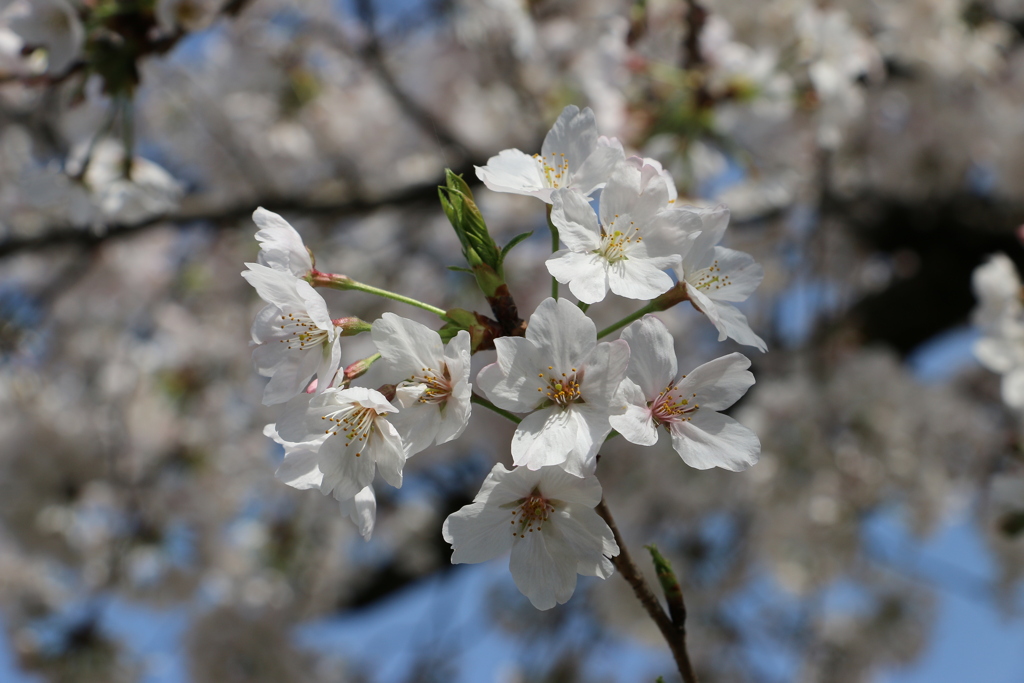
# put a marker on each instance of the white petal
(711, 439)
(741, 275)
(638, 278)
(388, 451)
(274, 286)
(362, 510)
(636, 424)
(596, 170)
(576, 221)
(590, 538)
(290, 371)
(406, 346)
(556, 484)
(281, 246)
(544, 567)
(573, 135)
(416, 422)
(345, 474)
(544, 437)
(457, 411)
(513, 387)
(330, 361)
(718, 383)
(586, 274)
(605, 368)
(1013, 388)
(563, 332)
(652, 355)
(734, 324)
(516, 172)
(299, 469)
(478, 532)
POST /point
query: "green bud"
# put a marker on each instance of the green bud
(478, 248)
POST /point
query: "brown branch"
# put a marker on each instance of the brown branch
(674, 634)
(372, 53)
(696, 16)
(87, 236)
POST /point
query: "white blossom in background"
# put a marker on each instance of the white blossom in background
(837, 57)
(560, 371)
(295, 335)
(1000, 315)
(51, 24)
(433, 389)
(716, 276)
(636, 239)
(359, 438)
(546, 519)
(147, 190)
(686, 407)
(299, 469)
(281, 246)
(572, 156)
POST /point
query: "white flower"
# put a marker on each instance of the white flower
(998, 290)
(358, 437)
(560, 370)
(572, 155)
(52, 24)
(281, 247)
(433, 390)
(1000, 315)
(637, 238)
(300, 470)
(295, 334)
(716, 276)
(686, 406)
(546, 518)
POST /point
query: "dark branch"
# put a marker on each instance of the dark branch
(86, 236)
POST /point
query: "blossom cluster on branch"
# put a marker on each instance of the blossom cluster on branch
(566, 389)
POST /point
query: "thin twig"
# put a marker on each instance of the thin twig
(85, 235)
(674, 634)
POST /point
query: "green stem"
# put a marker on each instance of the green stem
(480, 400)
(635, 315)
(554, 248)
(342, 282)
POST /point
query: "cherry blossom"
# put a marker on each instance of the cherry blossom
(299, 469)
(52, 24)
(637, 238)
(686, 407)
(294, 333)
(359, 438)
(716, 276)
(433, 390)
(572, 156)
(546, 519)
(561, 372)
(1000, 315)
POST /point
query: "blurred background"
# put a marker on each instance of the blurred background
(872, 154)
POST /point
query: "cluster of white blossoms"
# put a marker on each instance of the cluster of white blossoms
(566, 389)
(1000, 317)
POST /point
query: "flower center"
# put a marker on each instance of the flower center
(554, 168)
(530, 514)
(671, 406)
(353, 422)
(561, 390)
(615, 244)
(303, 332)
(710, 278)
(438, 386)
